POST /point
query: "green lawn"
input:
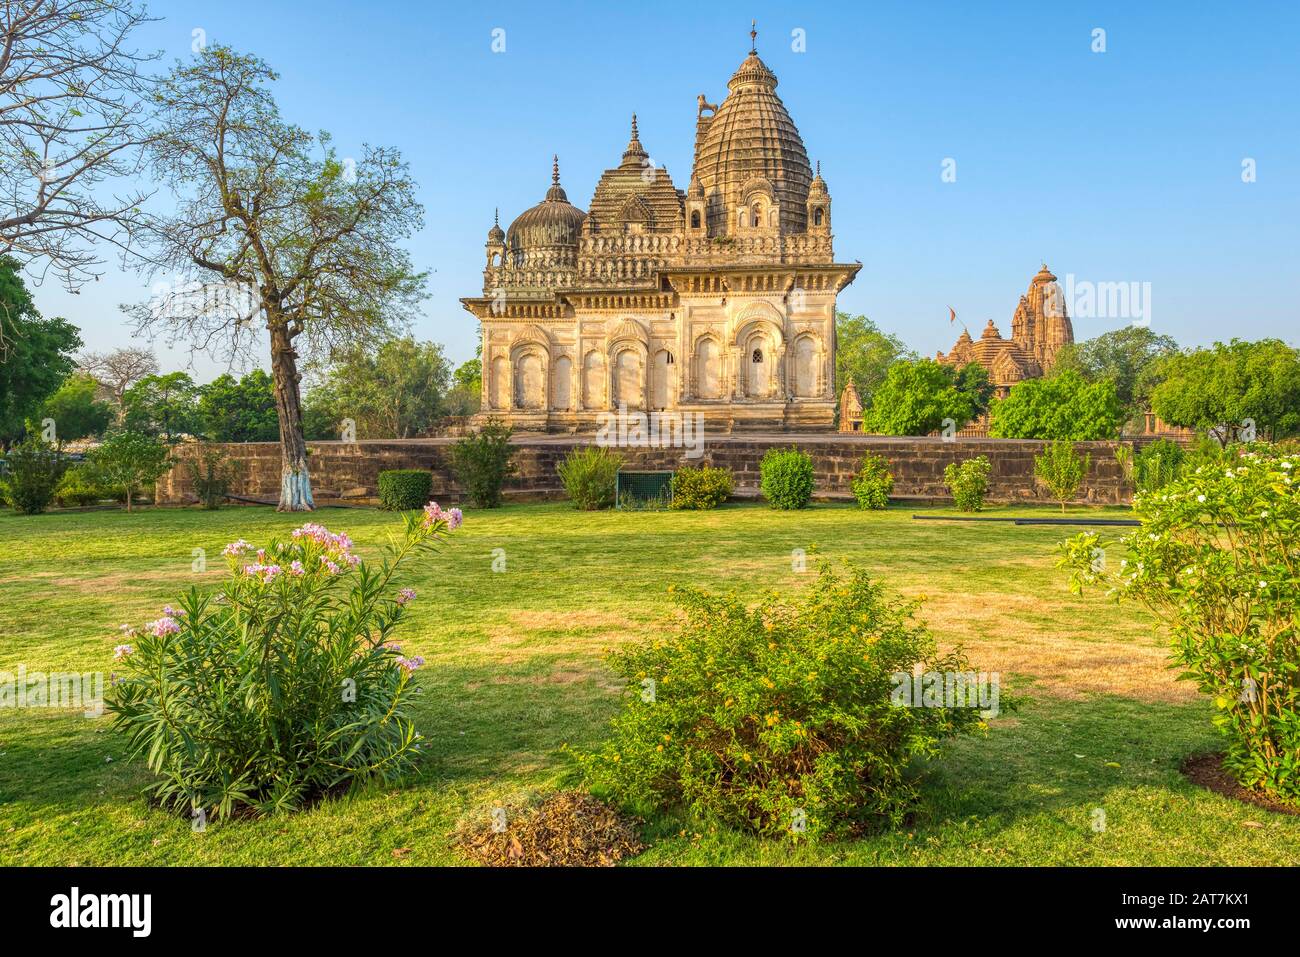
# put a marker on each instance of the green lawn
(514, 672)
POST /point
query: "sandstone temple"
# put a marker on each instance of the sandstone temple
(1039, 328)
(719, 299)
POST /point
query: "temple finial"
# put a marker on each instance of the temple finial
(555, 169)
(819, 167)
(753, 36)
(634, 136)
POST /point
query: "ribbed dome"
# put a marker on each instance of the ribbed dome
(752, 137)
(552, 222)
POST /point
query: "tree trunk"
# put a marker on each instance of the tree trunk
(295, 482)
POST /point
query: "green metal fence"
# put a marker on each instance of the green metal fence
(643, 489)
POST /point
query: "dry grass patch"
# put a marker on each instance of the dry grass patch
(1003, 632)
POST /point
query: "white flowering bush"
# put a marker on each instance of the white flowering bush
(286, 684)
(1218, 558)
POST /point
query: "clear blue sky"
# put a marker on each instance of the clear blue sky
(1123, 166)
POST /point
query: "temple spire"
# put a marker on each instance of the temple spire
(635, 154)
(555, 169)
(753, 36)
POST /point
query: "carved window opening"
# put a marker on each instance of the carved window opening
(817, 216)
(758, 355)
(695, 219)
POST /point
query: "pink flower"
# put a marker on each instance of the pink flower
(171, 612)
(127, 630)
(454, 519)
(121, 651)
(265, 572)
(330, 566)
(165, 625)
(236, 548)
(410, 664)
(405, 595)
(295, 568)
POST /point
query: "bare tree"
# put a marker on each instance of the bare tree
(118, 370)
(73, 95)
(278, 229)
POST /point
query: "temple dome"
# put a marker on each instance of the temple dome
(552, 222)
(751, 136)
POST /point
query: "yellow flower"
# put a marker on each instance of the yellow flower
(768, 682)
(727, 703)
(659, 747)
(746, 757)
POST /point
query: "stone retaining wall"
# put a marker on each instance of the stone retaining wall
(350, 471)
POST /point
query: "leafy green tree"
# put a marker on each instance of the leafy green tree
(36, 354)
(165, 406)
(1128, 357)
(285, 235)
(973, 379)
(395, 391)
(915, 398)
(1219, 389)
(239, 410)
(75, 410)
(1061, 406)
(863, 354)
(465, 395)
(131, 461)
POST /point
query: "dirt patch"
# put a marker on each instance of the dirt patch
(1207, 771)
(568, 829)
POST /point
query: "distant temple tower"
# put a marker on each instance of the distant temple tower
(1039, 328)
(718, 300)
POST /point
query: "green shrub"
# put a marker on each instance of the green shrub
(590, 476)
(284, 686)
(213, 474)
(1157, 464)
(1062, 470)
(34, 468)
(756, 717)
(968, 482)
(83, 485)
(786, 478)
(401, 490)
(701, 487)
(1215, 559)
(873, 483)
(481, 463)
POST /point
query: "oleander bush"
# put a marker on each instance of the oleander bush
(33, 471)
(1216, 559)
(968, 482)
(284, 686)
(1157, 464)
(590, 476)
(778, 715)
(701, 487)
(786, 478)
(873, 483)
(401, 490)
